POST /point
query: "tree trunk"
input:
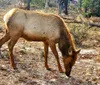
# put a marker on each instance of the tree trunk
(66, 6)
(47, 3)
(27, 4)
(81, 4)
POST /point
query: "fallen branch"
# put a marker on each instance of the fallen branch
(81, 21)
(86, 23)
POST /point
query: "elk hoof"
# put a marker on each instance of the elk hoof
(62, 72)
(14, 67)
(49, 69)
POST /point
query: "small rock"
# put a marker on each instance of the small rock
(53, 80)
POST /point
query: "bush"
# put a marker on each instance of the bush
(91, 7)
(38, 3)
(80, 33)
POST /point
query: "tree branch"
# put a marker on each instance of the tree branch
(81, 21)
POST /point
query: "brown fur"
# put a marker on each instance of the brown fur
(48, 28)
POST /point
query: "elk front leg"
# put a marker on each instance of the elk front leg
(54, 50)
(46, 55)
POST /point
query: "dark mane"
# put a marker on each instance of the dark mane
(64, 45)
(66, 41)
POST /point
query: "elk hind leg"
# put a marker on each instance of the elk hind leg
(11, 44)
(3, 40)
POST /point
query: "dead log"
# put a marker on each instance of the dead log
(81, 20)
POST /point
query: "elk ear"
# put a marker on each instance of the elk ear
(70, 51)
(78, 51)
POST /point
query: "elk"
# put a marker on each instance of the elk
(41, 27)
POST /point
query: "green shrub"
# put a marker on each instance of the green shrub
(38, 3)
(80, 33)
(91, 7)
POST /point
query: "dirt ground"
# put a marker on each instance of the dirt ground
(30, 65)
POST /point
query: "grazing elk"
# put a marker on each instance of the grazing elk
(48, 28)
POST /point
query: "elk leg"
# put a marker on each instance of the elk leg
(3, 40)
(46, 55)
(10, 47)
(54, 50)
